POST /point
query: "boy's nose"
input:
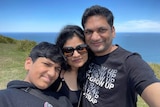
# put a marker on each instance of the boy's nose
(52, 72)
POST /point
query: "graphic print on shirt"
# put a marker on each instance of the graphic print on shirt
(98, 77)
(46, 104)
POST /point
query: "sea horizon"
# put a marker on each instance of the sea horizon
(145, 43)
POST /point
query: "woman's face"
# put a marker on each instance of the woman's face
(75, 51)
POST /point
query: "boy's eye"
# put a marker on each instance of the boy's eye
(48, 64)
(58, 69)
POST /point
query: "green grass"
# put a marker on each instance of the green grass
(12, 66)
(12, 57)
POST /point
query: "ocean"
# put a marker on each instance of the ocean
(146, 44)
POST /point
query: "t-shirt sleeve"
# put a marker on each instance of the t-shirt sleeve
(140, 73)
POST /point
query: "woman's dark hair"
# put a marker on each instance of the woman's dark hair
(67, 33)
(82, 70)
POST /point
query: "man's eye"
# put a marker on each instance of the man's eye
(88, 32)
(102, 30)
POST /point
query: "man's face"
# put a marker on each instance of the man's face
(99, 34)
(42, 73)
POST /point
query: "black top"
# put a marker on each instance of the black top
(72, 95)
(113, 80)
(14, 96)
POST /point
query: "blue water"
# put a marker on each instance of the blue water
(146, 44)
(38, 37)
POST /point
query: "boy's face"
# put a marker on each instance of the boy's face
(42, 73)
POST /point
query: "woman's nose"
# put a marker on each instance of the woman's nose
(75, 53)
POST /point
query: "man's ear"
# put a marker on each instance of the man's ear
(28, 63)
(113, 32)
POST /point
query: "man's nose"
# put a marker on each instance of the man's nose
(95, 36)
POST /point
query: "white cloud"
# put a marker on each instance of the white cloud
(138, 26)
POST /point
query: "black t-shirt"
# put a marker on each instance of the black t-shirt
(115, 79)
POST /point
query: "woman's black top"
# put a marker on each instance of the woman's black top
(72, 95)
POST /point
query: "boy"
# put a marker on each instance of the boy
(43, 67)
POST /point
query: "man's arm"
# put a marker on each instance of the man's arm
(151, 95)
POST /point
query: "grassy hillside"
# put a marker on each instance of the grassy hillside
(12, 57)
(12, 66)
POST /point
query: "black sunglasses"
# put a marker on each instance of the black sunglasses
(68, 51)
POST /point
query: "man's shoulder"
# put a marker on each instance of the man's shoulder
(121, 52)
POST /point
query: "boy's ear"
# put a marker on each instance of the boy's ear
(28, 63)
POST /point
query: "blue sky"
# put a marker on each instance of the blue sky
(53, 15)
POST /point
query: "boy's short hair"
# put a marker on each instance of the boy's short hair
(49, 51)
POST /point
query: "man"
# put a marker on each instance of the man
(115, 76)
(43, 67)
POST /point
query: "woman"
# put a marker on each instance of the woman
(72, 42)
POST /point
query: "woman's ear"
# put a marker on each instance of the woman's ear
(28, 63)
